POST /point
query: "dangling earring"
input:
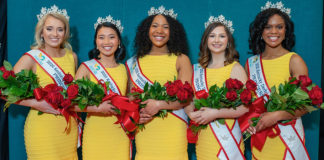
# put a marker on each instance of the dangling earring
(261, 38)
(119, 46)
(227, 45)
(42, 39)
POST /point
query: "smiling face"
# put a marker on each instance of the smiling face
(107, 41)
(217, 40)
(53, 32)
(159, 32)
(274, 32)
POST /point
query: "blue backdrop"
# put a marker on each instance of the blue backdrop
(307, 16)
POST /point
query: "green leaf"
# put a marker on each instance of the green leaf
(221, 120)
(39, 113)
(310, 108)
(7, 65)
(299, 94)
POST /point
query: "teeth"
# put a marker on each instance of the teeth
(217, 45)
(158, 37)
(107, 48)
(273, 38)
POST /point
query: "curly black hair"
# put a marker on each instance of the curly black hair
(177, 43)
(120, 52)
(256, 44)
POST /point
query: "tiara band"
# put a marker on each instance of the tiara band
(220, 19)
(162, 10)
(279, 5)
(111, 20)
(54, 10)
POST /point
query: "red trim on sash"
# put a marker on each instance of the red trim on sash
(109, 76)
(264, 77)
(179, 117)
(43, 67)
(301, 141)
(235, 140)
(139, 66)
(248, 68)
(221, 147)
(90, 71)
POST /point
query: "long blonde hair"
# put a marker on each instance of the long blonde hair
(39, 43)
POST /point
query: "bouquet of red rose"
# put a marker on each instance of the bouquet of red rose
(15, 87)
(232, 94)
(293, 95)
(171, 91)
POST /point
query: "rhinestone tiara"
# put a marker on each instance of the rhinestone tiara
(162, 10)
(279, 5)
(221, 19)
(109, 19)
(54, 9)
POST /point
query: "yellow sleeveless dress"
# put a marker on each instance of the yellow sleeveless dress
(102, 139)
(44, 134)
(276, 71)
(207, 146)
(162, 139)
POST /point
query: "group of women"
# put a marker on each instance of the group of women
(161, 55)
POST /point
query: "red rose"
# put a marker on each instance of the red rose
(52, 88)
(38, 93)
(229, 83)
(296, 81)
(202, 94)
(3, 69)
(66, 103)
(188, 87)
(171, 89)
(136, 90)
(72, 91)
(6, 74)
(0, 92)
(251, 85)
(54, 98)
(305, 81)
(178, 83)
(231, 95)
(182, 95)
(67, 78)
(316, 95)
(246, 96)
(238, 84)
(12, 73)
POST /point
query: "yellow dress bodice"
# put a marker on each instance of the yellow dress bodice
(276, 72)
(207, 146)
(102, 139)
(44, 134)
(162, 138)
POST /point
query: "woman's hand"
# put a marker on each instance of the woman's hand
(45, 107)
(204, 115)
(106, 108)
(144, 117)
(267, 119)
(152, 107)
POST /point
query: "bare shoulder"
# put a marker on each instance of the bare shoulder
(82, 72)
(25, 62)
(238, 72)
(297, 66)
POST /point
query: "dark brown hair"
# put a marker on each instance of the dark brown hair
(205, 55)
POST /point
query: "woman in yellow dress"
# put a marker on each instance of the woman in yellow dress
(102, 139)
(45, 137)
(218, 62)
(271, 39)
(161, 49)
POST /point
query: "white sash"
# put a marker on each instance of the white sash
(139, 80)
(199, 78)
(48, 65)
(100, 73)
(228, 140)
(292, 136)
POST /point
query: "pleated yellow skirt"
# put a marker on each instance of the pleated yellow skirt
(46, 139)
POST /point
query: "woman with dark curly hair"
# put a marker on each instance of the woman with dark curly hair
(218, 62)
(271, 40)
(161, 49)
